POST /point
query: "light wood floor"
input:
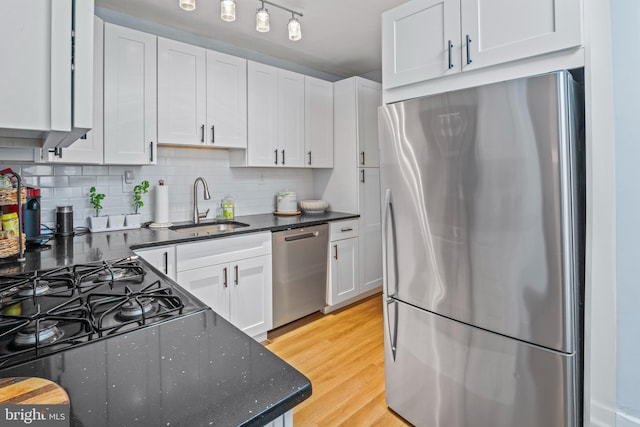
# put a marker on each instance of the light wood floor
(342, 354)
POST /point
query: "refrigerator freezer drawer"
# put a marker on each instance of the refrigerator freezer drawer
(448, 374)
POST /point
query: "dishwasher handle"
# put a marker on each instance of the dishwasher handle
(301, 236)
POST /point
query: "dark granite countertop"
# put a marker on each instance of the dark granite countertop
(92, 247)
(191, 371)
(196, 370)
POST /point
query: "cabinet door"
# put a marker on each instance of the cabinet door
(90, 148)
(506, 30)
(210, 285)
(251, 299)
(420, 41)
(262, 87)
(370, 229)
(369, 99)
(163, 259)
(318, 123)
(129, 96)
(181, 93)
(291, 118)
(343, 267)
(226, 100)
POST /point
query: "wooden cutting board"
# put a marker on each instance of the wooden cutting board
(32, 390)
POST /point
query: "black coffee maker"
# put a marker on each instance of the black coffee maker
(31, 214)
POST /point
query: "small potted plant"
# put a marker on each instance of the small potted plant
(140, 189)
(97, 222)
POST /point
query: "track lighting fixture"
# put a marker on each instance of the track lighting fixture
(188, 5)
(262, 19)
(228, 13)
(228, 10)
(295, 32)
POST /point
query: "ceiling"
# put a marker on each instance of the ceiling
(339, 37)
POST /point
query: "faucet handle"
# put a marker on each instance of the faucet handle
(203, 215)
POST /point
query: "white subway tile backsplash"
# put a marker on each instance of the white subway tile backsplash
(53, 181)
(36, 170)
(253, 189)
(67, 170)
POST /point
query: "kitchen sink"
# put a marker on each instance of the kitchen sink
(208, 228)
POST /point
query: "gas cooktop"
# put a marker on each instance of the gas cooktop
(49, 311)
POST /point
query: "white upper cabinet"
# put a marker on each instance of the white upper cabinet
(226, 100)
(46, 77)
(130, 112)
(275, 118)
(181, 93)
(418, 41)
(202, 97)
(369, 99)
(506, 30)
(291, 118)
(88, 149)
(424, 39)
(262, 148)
(318, 123)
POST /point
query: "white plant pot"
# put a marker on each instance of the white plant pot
(116, 221)
(132, 219)
(98, 222)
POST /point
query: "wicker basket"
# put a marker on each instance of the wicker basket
(8, 196)
(10, 246)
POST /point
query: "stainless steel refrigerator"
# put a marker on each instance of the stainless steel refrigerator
(483, 253)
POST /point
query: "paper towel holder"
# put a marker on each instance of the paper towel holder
(161, 206)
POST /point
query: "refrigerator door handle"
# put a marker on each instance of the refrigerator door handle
(387, 220)
(393, 330)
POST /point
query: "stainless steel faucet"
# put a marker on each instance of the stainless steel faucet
(196, 213)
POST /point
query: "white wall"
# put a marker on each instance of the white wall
(253, 189)
(625, 34)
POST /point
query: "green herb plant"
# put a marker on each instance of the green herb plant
(138, 191)
(96, 199)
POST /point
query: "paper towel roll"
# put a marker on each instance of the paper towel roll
(162, 204)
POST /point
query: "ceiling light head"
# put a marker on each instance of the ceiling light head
(228, 10)
(262, 20)
(295, 30)
(188, 5)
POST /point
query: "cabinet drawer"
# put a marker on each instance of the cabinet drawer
(343, 229)
(222, 249)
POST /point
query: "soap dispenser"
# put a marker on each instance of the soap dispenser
(227, 207)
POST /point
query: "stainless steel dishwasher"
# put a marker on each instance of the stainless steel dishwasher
(299, 272)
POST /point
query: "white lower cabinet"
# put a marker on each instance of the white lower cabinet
(284, 420)
(232, 276)
(344, 270)
(162, 258)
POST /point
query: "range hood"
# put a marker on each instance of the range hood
(47, 80)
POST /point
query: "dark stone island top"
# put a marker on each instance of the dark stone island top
(93, 247)
(196, 370)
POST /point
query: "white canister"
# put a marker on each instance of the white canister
(286, 201)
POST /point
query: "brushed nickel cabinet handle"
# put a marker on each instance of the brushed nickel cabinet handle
(276, 153)
(202, 134)
(335, 247)
(450, 47)
(225, 282)
(468, 50)
(309, 157)
(235, 267)
(283, 157)
(362, 158)
(213, 134)
(362, 175)
(166, 262)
